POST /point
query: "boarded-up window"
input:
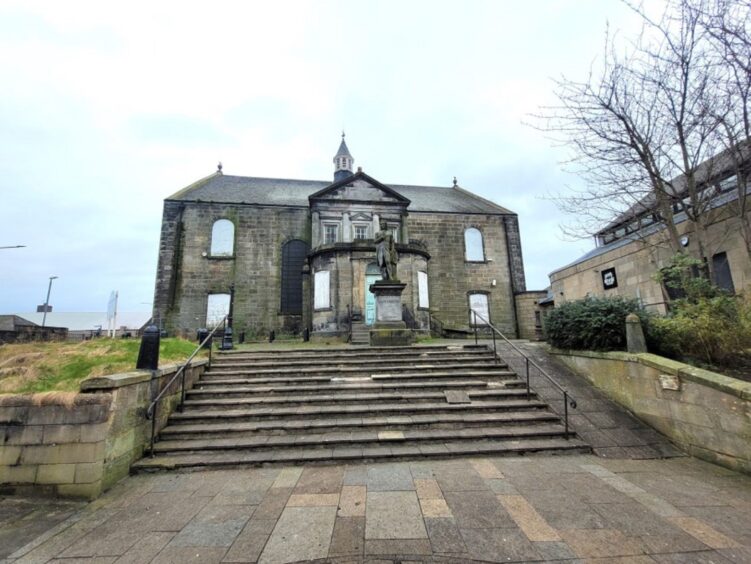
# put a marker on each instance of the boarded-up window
(293, 260)
(321, 291)
(473, 249)
(222, 238)
(479, 303)
(216, 308)
(422, 290)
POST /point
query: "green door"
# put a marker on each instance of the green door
(372, 275)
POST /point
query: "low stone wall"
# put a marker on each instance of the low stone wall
(705, 413)
(78, 445)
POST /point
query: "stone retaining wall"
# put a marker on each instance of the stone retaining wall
(79, 445)
(705, 413)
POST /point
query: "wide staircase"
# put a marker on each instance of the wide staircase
(336, 405)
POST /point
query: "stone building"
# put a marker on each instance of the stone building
(631, 250)
(295, 254)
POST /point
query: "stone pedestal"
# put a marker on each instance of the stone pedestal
(389, 330)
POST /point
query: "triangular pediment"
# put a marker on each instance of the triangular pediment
(360, 188)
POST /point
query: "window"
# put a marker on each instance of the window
(217, 307)
(727, 184)
(222, 238)
(479, 303)
(422, 290)
(361, 231)
(321, 290)
(330, 232)
(293, 260)
(394, 232)
(473, 248)
(722, 275)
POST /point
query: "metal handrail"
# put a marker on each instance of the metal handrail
(151, 411)
(567, 399)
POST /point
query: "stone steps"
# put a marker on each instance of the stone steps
(347, 454)
(334, 368)
(377, 423)
(350, 398)
(342, 404)
(358, 439)
(342, 410)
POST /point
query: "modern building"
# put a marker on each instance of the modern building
(289, 255)
(632, 249)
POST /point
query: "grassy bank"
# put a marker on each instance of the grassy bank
(43, 367)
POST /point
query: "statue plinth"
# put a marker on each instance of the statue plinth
(389, 330)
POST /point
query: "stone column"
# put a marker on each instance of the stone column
(376, 223)
(346, 228)
(315, 229)
(404, 235)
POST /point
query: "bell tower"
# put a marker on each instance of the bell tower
(343, 162)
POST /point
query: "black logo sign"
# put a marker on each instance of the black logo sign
(609, 280)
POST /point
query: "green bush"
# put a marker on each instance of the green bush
(592, 323)
(716, 331)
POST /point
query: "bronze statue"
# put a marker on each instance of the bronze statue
(386, 255)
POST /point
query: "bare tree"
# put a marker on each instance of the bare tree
(644, 125)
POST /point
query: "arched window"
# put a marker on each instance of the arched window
(223, 238)
(473, 247)
(293, 260)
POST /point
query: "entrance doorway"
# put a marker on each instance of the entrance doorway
(372, 274)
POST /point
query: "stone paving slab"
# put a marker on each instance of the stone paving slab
(579, 508)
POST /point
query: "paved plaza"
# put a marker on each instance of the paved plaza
(579, 508)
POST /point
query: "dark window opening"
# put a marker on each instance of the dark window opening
(293, 261)
(723, 278)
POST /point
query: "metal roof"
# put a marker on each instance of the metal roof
(223, 188)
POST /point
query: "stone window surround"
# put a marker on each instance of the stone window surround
(471, 293)
(331, 223)
(482, 242)
(231, 255)
(366, 226)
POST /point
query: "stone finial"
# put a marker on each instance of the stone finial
(359, 169)
(455, 182)
(219, 168)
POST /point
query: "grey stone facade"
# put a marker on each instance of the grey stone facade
(337, 222)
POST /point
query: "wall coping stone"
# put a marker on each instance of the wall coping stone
(720, 382)
(69, 400)
(112, 381)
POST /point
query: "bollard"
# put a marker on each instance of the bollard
(635, 341)
(272, 336)
(148, 354)
(227, 339)
(306, 335)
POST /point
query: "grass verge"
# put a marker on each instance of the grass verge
(45, 367)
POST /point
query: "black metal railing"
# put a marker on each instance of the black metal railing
(152, 411)
(567, 399)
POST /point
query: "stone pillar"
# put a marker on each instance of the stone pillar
(315, 229)
(307, 299)
(376, 223)
(404, 235)
(346, 228)
(635, 341)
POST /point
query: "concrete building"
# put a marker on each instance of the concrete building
(632, 249)
(296, 254)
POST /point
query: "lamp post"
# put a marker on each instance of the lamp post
(47, 301)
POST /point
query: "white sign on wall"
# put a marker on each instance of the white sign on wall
(422, 290)
(321, 290)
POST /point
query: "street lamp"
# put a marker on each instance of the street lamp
(47, 301)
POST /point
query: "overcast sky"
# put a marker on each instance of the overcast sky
(108, 108)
